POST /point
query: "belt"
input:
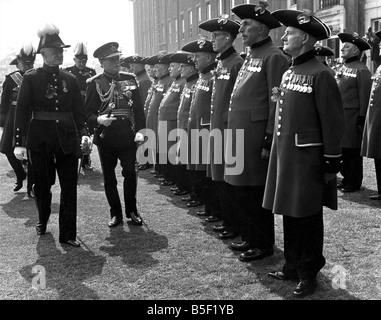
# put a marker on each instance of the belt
(42, 115)
(122, 112)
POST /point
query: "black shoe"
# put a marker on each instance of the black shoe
(240, 246)
(144, 166)
(87, 167)
(153, 172)
(341, 185)
(279, 275)
(174, 188)
(194, 203)
(18, 185)
(202, 213)
(349, 189)
(73, 243)
(188, 198)
(136, 219)
(305, 288)
(180, 192)
(212, 219)
(227, 235)
(167, 183)
(41, 230)
(115, 222)
(375, 197)
(255, 254)
(220, 228)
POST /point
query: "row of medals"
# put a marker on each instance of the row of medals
(301, 83)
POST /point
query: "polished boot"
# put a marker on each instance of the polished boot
(72, 243)
(240, 246)
(305, 288)
(255, 254)
(115, 222)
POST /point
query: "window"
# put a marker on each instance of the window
(208, 11)
(220, 9)
(182, 21)
(376, 25)
(190, 23)
(232, 3)
(169, 31)
(248, 1)
(162, 35)
(326, 4)
(199, 18)
(176, 30)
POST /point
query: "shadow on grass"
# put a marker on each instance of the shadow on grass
(135, 245)
(94, 179)
(360, 197)
(67, 271)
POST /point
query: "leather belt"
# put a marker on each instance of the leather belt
(42, 115)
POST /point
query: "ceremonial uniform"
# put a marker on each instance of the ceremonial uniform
(50, 105)
(354, 81)
(372, 130)
(117, 95)
(82, 76)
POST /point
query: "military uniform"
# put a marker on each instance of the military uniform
(354, 81)
(119, 92)
(82, 76)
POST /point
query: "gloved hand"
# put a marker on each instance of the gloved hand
(104, 120)
(20, 153)
(139, 137)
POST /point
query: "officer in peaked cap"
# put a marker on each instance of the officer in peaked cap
(354, 80)
(114, 111)
(223, 33)
(199, 118)
(252, 111)
(53, 98)
(82, 72)
(11, 86)
(306, 153)
(137, 66)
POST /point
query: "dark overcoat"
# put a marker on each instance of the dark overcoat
(144, 84)
(82, 76)
(309, 124)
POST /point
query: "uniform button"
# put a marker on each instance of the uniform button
(57, 121)
(280, 110)
(56, 101)
(54, 74)
(17, 136)
(211, 112)
(56, 87)
(56, 109)
(285, 86)
(280, 118)
(55, 80)
(17, 143)
(230, 109)
(281, 101)
(282, 93)
(278, 134)
(279, 126)
(18, 129)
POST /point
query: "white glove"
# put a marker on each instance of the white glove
(86, 139)
(20, 153)
(139, 137)
(104, 120)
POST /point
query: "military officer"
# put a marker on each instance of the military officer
(223, 33)
(82, 72)
(354, 80)
(252, 111)
(189, 72)
(50, 105)
(167, 121)
(11, 86)
(114, 111)
(306, 153)
(199, 122)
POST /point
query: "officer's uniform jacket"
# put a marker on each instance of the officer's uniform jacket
(354, 81)
(144, 83)
(183, 117)
(82, 76)
(11, 87)
(127, 108)
(309, 124)
(150, 92)
(161, 88)
(167, 115)
(252, 110)
(228, 66)
(199, 119)
(52, 98)
(371, 143)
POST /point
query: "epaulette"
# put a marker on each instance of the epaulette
(33, 69)
(94, 77)
(127, 74)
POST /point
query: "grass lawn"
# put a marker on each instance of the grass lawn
(176, 255)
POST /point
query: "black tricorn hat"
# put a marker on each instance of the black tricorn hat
(134, 59)
(182, 57)
(323, 51)
(27, 54)
(49, 38)
(108, 50)
(221, 24)
(305, 21)
(354, 38)
(200, 45)
(158, 59)
(80, 51)
(256, 12)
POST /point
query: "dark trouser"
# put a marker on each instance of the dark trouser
(86, 160)
(44, 165)
(229, 207)
(30, 180)
(168, 171)
(352, 169)
(256, 223)
(212, 203)
(16, 165)
(377, 166)
(198, 184)
(303, 245)
(182, 177)
(109, 159)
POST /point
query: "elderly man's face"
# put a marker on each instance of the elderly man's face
(220, 41)
(292, 41)
(349, 50)
(150, 70)
(53, 56)
(161, 69)
(201, 60)
(80, 63)
(24, 66)
(174, 69)
(250, 31)
(111, 65)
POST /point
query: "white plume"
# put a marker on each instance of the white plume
(48, 28)
(28, 48)
(81, 47)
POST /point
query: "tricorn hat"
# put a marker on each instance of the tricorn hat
(80, 51)
(27, 54)
(134, 59)
(257, 12)
(108, 50)
(49, 38)
(158, 59)
(354, 38)
(323, 51)
(305, 21)
(200, 45)
(221, 24)
(181, 57)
